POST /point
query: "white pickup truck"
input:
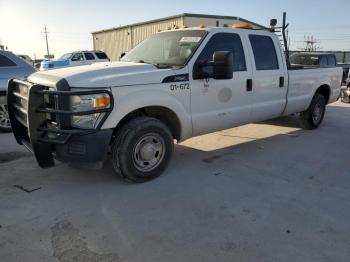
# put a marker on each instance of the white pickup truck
(175, 85)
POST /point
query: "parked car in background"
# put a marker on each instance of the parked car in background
(345, 92)
(37, 63)
(346, 72)
(11, 66)
(313, 59)
(26, 58)
(75, 59)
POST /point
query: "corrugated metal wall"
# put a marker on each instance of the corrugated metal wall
(115, 42)
(141, 32)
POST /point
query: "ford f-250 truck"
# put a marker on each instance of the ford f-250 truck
(175, 85)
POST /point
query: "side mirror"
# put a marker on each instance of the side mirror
(223, 65)
(220, 68)
(122, 55)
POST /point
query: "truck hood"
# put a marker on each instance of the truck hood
(103, 74)
(56, 62)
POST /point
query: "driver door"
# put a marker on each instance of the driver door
(222, 104)
(77, 59)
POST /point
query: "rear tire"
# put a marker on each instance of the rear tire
(5, 125)
(142, 149)
(313, 116)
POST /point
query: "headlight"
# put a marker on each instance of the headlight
(87, 103)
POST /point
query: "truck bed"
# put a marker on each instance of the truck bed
(303, 82)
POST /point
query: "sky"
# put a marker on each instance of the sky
(70, 22)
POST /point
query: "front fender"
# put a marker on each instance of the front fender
(127, 103)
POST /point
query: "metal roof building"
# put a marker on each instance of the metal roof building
(115, 41)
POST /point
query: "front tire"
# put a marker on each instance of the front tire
(142, 149)
(313, 116)
(5, 125)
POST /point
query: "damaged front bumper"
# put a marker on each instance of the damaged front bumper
(41, 121)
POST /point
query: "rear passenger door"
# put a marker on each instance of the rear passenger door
(269, 76)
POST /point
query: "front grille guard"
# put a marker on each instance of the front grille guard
(41, 117)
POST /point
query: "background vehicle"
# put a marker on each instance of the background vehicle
(346, 72)
(175, 85)
(37, 63)
(75, 59)
(27, 59)
(345, 92)
(11, 66)
(313, 59)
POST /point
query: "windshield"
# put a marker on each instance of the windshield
(304, 59)
(169, 48)
(65, 56)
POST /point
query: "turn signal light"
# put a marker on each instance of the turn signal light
(242, 25)
(102, 102)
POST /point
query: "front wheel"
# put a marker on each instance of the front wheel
(142, 149)
(5, 125)
(313, 116)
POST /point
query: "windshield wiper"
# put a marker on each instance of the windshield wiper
(159, 66)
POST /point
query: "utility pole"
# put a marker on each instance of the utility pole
(47, 42)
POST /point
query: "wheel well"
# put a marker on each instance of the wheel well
(325, 91)
(166, 115)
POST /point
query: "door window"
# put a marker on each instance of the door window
(323, 60)
(77, 57)
(6, 62)
(101, 55)
(224, 42)
(89, 56)
(264, 52)
(331, 60)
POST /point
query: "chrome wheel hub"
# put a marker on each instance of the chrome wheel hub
(4, 117)
(149, 152)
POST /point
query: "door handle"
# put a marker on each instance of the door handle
(249, 85)
(281, 81)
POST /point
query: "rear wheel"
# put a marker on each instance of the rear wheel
(5, 125)
(313, 116)
(142, 149)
